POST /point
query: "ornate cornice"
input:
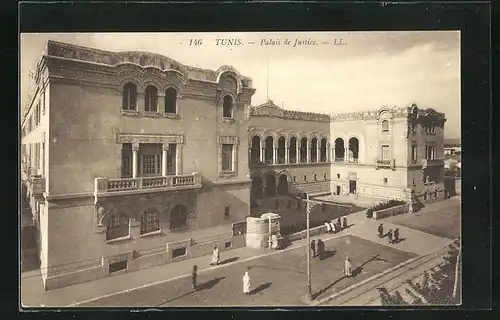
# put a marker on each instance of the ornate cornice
(394, 112)
(270, 109)
(149, 138)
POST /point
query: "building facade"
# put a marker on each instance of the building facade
(122, 152)
(390, 153)
(121, 149)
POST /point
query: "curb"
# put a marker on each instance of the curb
(374, 277)
(199, 272)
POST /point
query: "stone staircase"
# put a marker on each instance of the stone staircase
(312, 188)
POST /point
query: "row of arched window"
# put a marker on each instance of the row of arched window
(151, 100)
(297, 151)
(117, 226)
(349, 154)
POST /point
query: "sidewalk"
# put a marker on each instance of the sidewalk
(33, 295)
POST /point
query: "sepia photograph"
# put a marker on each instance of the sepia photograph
(242, 169)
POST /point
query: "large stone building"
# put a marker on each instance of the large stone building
(122, 152)
(390, 153)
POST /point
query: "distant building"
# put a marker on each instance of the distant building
(452, 146)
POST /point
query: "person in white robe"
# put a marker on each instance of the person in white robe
(274, 242)
(246, 283)
(215, 256)
(347, 267)
(328, 228)
(333, 226)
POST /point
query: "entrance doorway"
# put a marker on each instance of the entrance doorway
(352, 186)
(338, 190)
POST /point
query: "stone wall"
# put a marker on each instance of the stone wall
(384, 213)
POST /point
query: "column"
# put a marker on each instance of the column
(308, 147)
(287, 152)
(318, 151)
(135, 151)
(275, 154)
(327, 154)
(297, 151)
(262, 151)
(160, 104)
(346, 154)
(178, 159)
(235, 157)
(164, 159)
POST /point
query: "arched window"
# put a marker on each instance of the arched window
(151, 99)
(314, 150)
(353, 150)
(303, 150)
(385, 125)
(323, 150)
(293, 150)
(339, 150)
(281, 150)
(255, 151)
(269, 150)
(117, 226)
(129, 96)
(171, 100)
(283, 185)
(149, 221)
(178, 218)
(227, 107)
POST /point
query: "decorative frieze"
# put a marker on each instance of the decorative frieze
(149, 138)
(269, 109)
(228, 140)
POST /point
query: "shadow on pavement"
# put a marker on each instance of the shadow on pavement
(204, 286)
(327, 254)
(260, 288)
(233, 259)
(355, 272)
(275, 268)
(400, 240)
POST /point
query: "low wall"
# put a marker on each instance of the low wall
(137, 262)
(380, 214)
(303, 234)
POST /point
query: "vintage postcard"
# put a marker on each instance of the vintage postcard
(252, 169)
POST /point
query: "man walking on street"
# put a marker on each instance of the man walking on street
(194, 274)
(396, 235)
(380, 231)
(313, 248)
(344, 223)
(389, 235)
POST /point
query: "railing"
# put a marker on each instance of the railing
(432, 162)
(103, 185)
(386, 164)
(339, 159)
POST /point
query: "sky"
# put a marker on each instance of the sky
(369, 70)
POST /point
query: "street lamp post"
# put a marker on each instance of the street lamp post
(309, 206)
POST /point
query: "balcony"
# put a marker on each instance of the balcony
(109, 187)
(36, 186)
(432, 163)
(386, 164)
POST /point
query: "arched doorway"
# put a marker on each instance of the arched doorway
(339, 150)
(270, 185)
(256, 190)
(255, 151)
(178, 218)
(282, 185)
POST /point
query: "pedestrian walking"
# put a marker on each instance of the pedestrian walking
(389, 235)
(246, 283)
(313, 248)
(396, 235)
(344, 223)
(215, 256)
(194, 274)
(339, 224)
(347, 267)
(380, 231)
(334, 227)
(321, 249)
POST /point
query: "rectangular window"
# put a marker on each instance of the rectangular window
(179, 252)
(117, 266)
(385, 181)
(227, 157)
(171, 158)
(227, 244)
(126, 160)
(226, 212)
(150, 159)
(385, 153)
(414, 153)
(338, 175)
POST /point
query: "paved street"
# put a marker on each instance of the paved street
(277, 280)
(441, 218)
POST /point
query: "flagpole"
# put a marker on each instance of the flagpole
(267, 78)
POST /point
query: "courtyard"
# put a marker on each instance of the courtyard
(440, 218)
(277, 280)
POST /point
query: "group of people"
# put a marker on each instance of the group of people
(333, 227)
(318, 249)
(392, 236)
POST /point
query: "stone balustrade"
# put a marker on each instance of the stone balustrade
(390, 164)
(175, 182)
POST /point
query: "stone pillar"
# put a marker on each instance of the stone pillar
(318, 151)
(164, 159)
(262, 151)
(308, 146)
(178, 159)
(235, 157)
(160, 104)
(346, 154)
(297, 152)
(327, 154)
(140, 102)
(287, 153)
(275, 155)
(135, 151)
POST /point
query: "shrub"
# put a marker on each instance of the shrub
(383, 205)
